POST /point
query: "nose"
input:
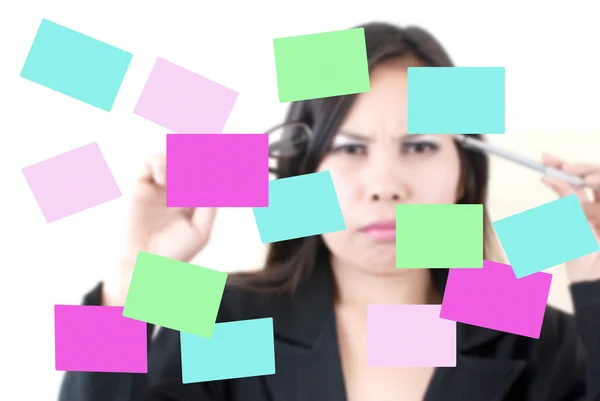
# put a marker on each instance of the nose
(384, 179)
(386, 186)
(384, 195)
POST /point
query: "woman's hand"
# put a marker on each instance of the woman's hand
(176, 233)
(585, 268)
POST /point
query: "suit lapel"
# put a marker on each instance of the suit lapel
(475, 377)
(307, 356)
(307, 359)
(307, 375)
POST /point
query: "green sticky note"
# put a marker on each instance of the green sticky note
(76, 65)
(174, 294)
(439, 236)
(321, 65)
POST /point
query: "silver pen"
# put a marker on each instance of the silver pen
(475, 144)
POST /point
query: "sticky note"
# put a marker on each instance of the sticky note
(545, 236)
(456, 100)
(174, 294)
(299, 206)
(321, 65)
(409, 335)
(217, 170)
(98, 339)
(183, 101)
(71, 182)
(237, 349)
(76, 65)
(439, 236)
(494, 298)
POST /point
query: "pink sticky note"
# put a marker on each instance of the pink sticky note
(409, 335)
(71, 182)
(492, 297)
(183, 101)
(99, 339)
(217, 170)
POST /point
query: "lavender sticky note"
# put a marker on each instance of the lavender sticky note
(71, 182)
(99, 339)
(409, 335)
(183, 101)
(217, 170)
(494, 298)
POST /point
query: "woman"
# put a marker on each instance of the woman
(317, 288)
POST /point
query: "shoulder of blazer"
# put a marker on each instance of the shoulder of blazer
(559, 340)
(244, 304)
(557, 332)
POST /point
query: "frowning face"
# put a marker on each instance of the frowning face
(375, 165)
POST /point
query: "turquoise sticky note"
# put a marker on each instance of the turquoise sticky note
(299, 206)
(237, 349)
(76, 65)
(546, 236)
(456, 100)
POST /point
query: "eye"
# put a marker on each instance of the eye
(420, 147)
(350, 148)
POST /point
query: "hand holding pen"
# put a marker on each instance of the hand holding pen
(577, 175)
(588, 174)
(565, 179)
(587, 267)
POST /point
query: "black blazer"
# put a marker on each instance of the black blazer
(563, 364)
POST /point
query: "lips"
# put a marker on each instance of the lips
(380, 225)
(381, 231)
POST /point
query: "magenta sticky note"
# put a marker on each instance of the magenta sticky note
(184, 101)
(409, 335)
(71, 182)
(492, 297)
(217, 170)
(99, 339)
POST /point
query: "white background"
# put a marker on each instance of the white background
(550, 53)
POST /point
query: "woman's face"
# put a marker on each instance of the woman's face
(376, 165)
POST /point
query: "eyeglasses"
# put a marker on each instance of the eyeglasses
(288, 140)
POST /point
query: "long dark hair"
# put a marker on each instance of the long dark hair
(289, 263)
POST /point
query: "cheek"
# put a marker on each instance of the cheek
(342, 244)
(344, 181)
(438, 183)
(346, 187)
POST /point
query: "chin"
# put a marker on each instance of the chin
(377, 258)
(382, 262)
(380, 270)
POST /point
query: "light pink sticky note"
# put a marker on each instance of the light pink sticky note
(409, 335)
(492, 297)
(183, 101)
(99, 339)
(217, 170)
(71, 182)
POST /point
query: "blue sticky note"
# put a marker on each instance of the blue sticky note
(299, 206)
(546, 236)
(456, 100)
(76, 65)
(237, 349)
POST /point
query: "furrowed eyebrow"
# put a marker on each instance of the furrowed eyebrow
(352, 135)
(364, 138)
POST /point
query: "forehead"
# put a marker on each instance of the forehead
(384, 107)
